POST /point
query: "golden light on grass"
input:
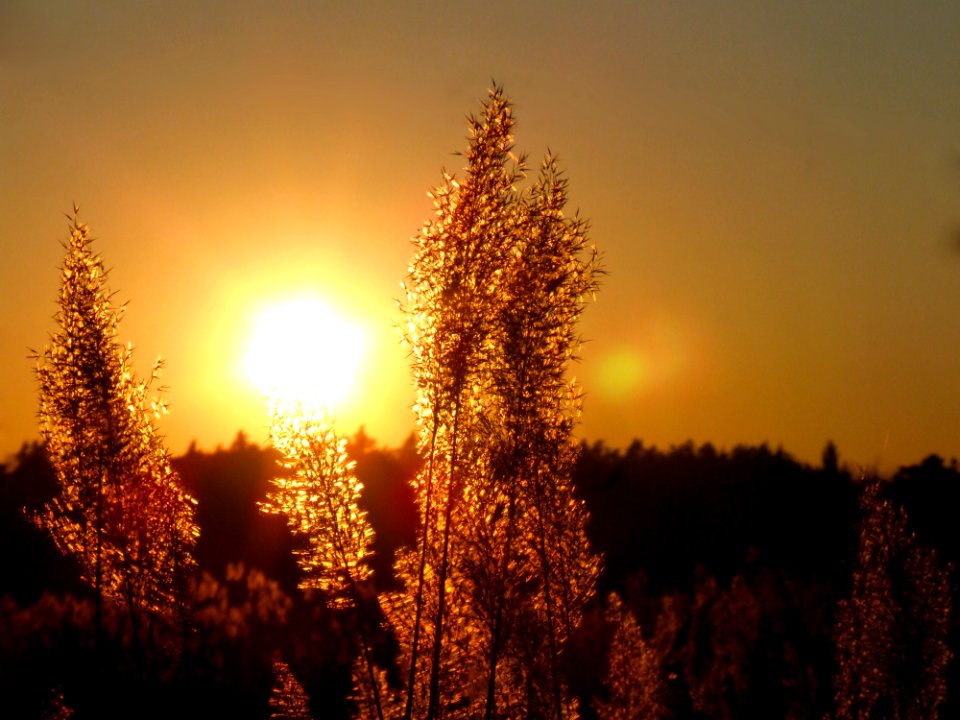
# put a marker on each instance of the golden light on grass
(301, 352)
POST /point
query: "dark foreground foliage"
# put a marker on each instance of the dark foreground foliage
(733, 564)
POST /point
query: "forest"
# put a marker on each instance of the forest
(491, 566)
(733, 561)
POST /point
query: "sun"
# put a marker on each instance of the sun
(302, 352)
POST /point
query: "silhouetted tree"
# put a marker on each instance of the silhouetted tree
(121, 510)
(892, 654)
(667, 511)
(830, 459)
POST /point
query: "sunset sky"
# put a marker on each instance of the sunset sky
(775, 188)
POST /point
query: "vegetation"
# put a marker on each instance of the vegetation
(121, 511)
(739, 590)
(502, 569)
(635, 683)
(892, 631)
(288, 699)
(320, 500)
(462, 575)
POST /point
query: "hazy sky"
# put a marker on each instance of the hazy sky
(775, 188)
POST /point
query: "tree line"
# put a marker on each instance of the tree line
(756, 605)
(490, 600)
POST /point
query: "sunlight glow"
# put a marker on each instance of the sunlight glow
(623, 374)
(301, 352)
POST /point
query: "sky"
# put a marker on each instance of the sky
(775, 188)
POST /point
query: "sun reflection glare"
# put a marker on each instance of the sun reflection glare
(301, 352)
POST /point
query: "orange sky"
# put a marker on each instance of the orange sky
(776, 190)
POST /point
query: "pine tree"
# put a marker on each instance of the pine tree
(122, 511)
(892, 653)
